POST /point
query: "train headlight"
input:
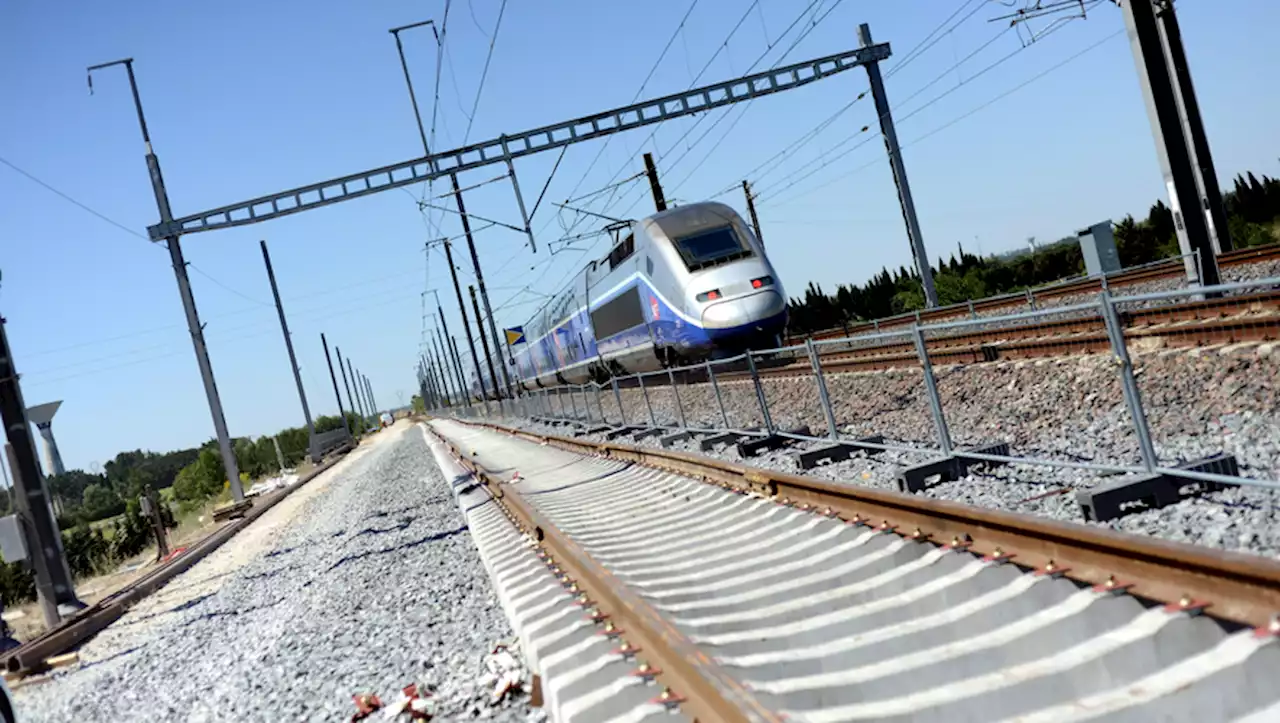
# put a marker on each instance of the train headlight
(762, 282)
(711, 295)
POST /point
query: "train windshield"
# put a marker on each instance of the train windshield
(709, 248)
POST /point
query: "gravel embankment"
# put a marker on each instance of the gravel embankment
(1069, 408)
(371, 584)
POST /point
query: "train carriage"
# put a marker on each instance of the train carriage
(682, 285)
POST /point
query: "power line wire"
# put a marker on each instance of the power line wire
(484, 74)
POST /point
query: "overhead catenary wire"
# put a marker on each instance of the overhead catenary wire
(953, 121)
(720, 48)
(484, 74)
(643, 84)
(827, 158)
(909, 57)
(814, 22)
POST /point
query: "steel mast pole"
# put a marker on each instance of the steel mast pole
(351, 400)
(751, 209)
(293, 360)
(1172, 150)
(54, 585)
(346, 423)
(184, 290)
(899, 172)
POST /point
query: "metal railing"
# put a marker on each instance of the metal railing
(935, 412)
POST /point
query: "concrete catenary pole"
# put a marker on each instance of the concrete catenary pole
(355, 388)
(31, 498)
(346, 423)
(484, 388)
(293, 360)
(184, 291)
(484, 296)
(899, 172)
(1172, 150)
(751, 209)
(351, 399)
(655, 186)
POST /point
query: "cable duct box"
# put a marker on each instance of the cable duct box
(1098, 245)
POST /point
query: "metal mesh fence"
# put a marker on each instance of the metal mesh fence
(876, 388)
(1208, 380)
(791, 392)
(1153, 383)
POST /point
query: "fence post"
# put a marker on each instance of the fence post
(822, 389)
(931, 387)
(617, 397)
(972, 314)
(652, 419)
(764, 405)
(599, 404)
(715, 387)
(675, 391)
(1031, 299)
(573, 402)
(1132, 396)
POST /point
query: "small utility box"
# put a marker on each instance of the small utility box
(13, 546)
(1098, 245)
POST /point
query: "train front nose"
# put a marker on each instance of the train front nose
(761, 311)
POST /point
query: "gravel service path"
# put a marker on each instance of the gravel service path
(362, 582)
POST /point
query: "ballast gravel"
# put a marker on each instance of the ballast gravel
(372, 585)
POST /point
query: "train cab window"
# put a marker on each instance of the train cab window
(622, 251)
(710, 248)
(648, 265)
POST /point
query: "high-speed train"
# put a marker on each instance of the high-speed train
(680, 286)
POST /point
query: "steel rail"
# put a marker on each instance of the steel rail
(1235, 587)
(700, 685)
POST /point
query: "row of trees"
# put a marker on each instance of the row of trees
(1252, 207)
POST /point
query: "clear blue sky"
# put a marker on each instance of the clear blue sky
(248, 98)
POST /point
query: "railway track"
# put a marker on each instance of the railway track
(731, 593)
(1082, 287)
(1227, 320)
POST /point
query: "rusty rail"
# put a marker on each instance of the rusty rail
(1236, 587)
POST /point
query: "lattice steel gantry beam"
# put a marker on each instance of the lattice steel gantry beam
(504, 149)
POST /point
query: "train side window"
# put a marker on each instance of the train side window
(622, 251)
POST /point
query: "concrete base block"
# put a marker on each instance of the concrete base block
(646, 433)
(840, 452)
(1119, 498)
(671, 439)
(597, 429)
(948, 469)
(619, 431)
(752, 447)
(709, 443)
